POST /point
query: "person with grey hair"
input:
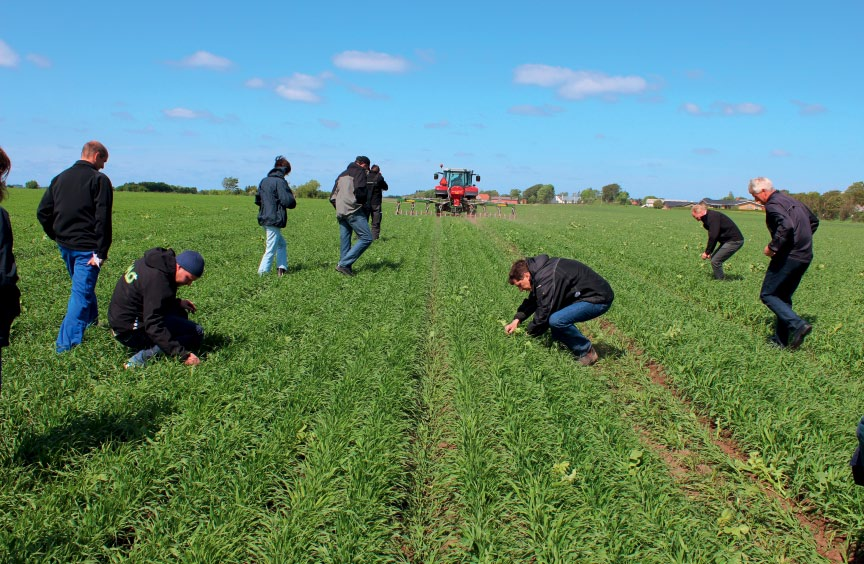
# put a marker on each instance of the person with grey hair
(10, 296)
(721, 230)
(791, 225)
(75, 212)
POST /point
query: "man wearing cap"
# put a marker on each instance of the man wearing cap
(145, 313)
(75, 212)
(349, 197)
(273, 198)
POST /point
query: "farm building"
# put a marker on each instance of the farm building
(745, 205)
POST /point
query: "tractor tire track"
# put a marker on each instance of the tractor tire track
(829, 544)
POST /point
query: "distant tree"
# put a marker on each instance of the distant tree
(31, 185)
(564, 195)
(492, 193)
(546, 194)
(623, 198)
(310, 190)
(589, 196)
(658, 204)
(730, 197)
(855, 193)
(231, 184)
(530, 194)
(515, 193)
(610, 193)
(251, 190)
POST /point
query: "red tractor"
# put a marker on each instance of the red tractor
(456, 192)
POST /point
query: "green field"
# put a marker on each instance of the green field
(388, 418)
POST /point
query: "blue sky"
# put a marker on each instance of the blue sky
(673, 99)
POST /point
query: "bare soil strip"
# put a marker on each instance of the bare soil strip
(829, 544)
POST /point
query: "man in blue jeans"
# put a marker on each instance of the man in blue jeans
(563, 292)
(349, 197)
(75, 211)
(791, 225)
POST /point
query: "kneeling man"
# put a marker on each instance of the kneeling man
(563, 292)
(145, 313)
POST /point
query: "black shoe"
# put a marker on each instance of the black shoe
(346, 270)
(799, 335)
(282, 271)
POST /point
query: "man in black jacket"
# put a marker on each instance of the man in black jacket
(376, 184)
(563, 292)
(75, 211)
(145, 313)
(273, 198)
(791, 225)
(721, 230)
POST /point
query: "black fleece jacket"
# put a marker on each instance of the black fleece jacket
(144, 295)
(557, 283)
(75, 210)
(720, 228)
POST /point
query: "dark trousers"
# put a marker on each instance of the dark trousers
(188, 333)
(781, 281)
(375, 220)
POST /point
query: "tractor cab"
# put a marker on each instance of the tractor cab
(455, 184)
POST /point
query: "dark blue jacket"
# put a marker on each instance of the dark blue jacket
(272, 199)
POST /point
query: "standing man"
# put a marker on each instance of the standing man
(721, 230)
(563, 292)
(349, 197)
(75, 211)
(376, 184)
(791, 225)
(145, 313)
(273, 198)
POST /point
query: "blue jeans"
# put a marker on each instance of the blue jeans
(276, 247)
(82, 309)
(356, 223)
(562, 324)
(781, 281)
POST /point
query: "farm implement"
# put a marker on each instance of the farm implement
(455, 194)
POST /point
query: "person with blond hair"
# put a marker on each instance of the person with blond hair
(722, 231)
(791, 225)
(75, 212)
(10, 296)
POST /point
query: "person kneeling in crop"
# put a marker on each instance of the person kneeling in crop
(563, 292)
(145, 313)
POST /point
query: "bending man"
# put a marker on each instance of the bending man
(721, 230)
(145, 313)
(563, 292)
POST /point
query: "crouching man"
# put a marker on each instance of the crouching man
(563, 292)
(145, 313)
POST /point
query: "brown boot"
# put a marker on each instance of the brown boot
(589, 357)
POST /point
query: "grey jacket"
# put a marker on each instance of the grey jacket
(349, 192)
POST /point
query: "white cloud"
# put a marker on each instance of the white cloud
(528, 110)
(370, 61)
(301, 87)
(254, 83)
(39, 60)
(576, 85)
(368, 92)
(723, 109)
(746, 108)
(806, 109)
(186, 113)
(204, 59)
(8, 57)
